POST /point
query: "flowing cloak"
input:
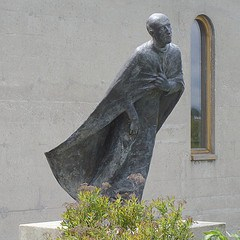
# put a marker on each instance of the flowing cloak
(101, 149)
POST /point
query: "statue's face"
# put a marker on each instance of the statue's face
(162, 32)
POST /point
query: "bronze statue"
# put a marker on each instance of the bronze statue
(114, 146)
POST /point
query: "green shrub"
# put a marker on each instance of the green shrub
(215, 235)
(218, 235)
(97, 217)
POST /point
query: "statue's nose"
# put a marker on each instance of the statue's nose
(168, 30)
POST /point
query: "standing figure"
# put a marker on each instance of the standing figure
(115, 144)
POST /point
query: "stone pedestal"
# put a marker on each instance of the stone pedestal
(41, 231)
(199, 228)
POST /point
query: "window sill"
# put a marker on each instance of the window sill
(203, 157)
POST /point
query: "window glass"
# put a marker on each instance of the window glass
(197, 134)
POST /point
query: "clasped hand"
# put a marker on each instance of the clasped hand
(163, 84)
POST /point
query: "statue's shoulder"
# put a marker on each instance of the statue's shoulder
(174, 48)
(147, 46)
(144, 50)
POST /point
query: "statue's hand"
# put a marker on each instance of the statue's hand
(162, 83)
(134, 127)
(166, 85)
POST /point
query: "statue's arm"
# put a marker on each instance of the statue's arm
(170, 85)
(175, 82)
(132, 69)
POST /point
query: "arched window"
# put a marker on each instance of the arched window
(202, 60)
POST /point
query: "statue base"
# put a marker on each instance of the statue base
(43, 230)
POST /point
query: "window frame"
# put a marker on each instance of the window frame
(207, 72)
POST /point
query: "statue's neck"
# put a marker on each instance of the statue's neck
(160, 47)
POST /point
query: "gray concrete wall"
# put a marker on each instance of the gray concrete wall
(57, 59)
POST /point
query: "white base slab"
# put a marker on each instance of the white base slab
(41, 231)
(199, 227)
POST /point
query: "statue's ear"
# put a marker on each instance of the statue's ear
(151, 32)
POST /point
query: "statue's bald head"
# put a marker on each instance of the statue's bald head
(155, 20)
(158, 26)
